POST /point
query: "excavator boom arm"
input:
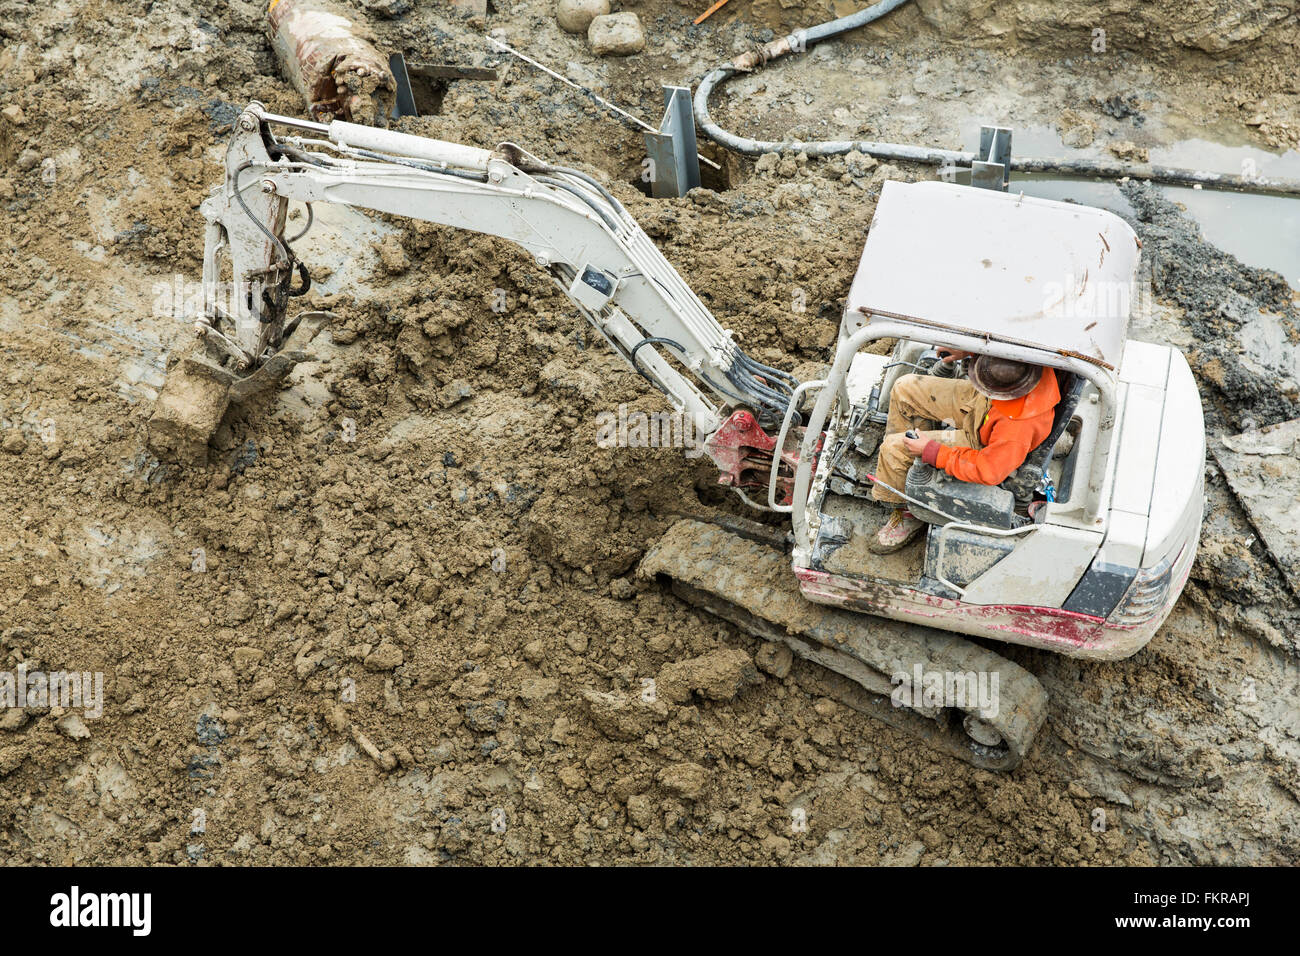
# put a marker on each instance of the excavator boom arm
(571, 226)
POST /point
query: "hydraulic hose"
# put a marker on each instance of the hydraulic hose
(801, 40)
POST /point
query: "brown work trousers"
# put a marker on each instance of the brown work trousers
(924, 402)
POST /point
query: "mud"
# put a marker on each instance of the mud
(393, 617)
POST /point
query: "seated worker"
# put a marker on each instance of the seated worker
(996, 417)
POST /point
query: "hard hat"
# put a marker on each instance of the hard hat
(1004, 379)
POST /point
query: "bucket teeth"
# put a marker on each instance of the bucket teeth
(876, 659)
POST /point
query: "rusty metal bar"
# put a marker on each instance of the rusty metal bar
(337, 70)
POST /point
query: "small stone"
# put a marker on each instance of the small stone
(572, 778)
(575, 16)
(616, 34)
(623, 718)
(14, 114)
(1127, 149)
(774, 659)
(389, 10)
(1077, 130)
(263, 689)
(239, 608)
(538, 688)
(71, 725)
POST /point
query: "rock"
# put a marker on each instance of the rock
(825, 707)
(616, 34)
(187, 413)
(12, 718)
(71, 725)
(385, 657)
(1077, 131)
(775, 659)
(720, 675)
(388, 9)
(239, 608)
(1127, 149)
(777, 846)
(687, 780)
(575, 16)
(909, 855)
(14, 443)
(486, 717)
(14, 114)
(572, 778)
(263, 689)
(859, 164)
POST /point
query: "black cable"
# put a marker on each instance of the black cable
(574, 190)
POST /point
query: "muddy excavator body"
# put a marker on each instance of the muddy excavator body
(1116, 490)
(1082, 552)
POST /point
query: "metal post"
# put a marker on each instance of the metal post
(674, 163)
(404, 102)
(993, 169)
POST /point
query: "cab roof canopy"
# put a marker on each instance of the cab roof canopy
(1053, 275)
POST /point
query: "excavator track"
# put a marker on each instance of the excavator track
(750, 584)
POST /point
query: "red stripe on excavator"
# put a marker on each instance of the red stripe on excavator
(1044, 625)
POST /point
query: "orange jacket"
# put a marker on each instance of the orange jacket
(1010, 431)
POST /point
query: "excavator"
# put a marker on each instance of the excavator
(1082, 551)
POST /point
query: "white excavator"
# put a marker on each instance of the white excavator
(1082, 551)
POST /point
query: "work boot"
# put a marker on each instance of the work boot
(898, 532)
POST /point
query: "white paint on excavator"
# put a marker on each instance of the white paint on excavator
(1058, 275)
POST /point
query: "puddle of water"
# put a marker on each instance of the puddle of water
(1259, 230)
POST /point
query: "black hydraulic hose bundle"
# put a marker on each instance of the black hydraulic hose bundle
(800, 41)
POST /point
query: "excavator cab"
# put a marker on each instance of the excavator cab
(1075, 552)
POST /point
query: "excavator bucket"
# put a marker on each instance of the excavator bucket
(885, 668)
(188, 410)
(197, 393)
